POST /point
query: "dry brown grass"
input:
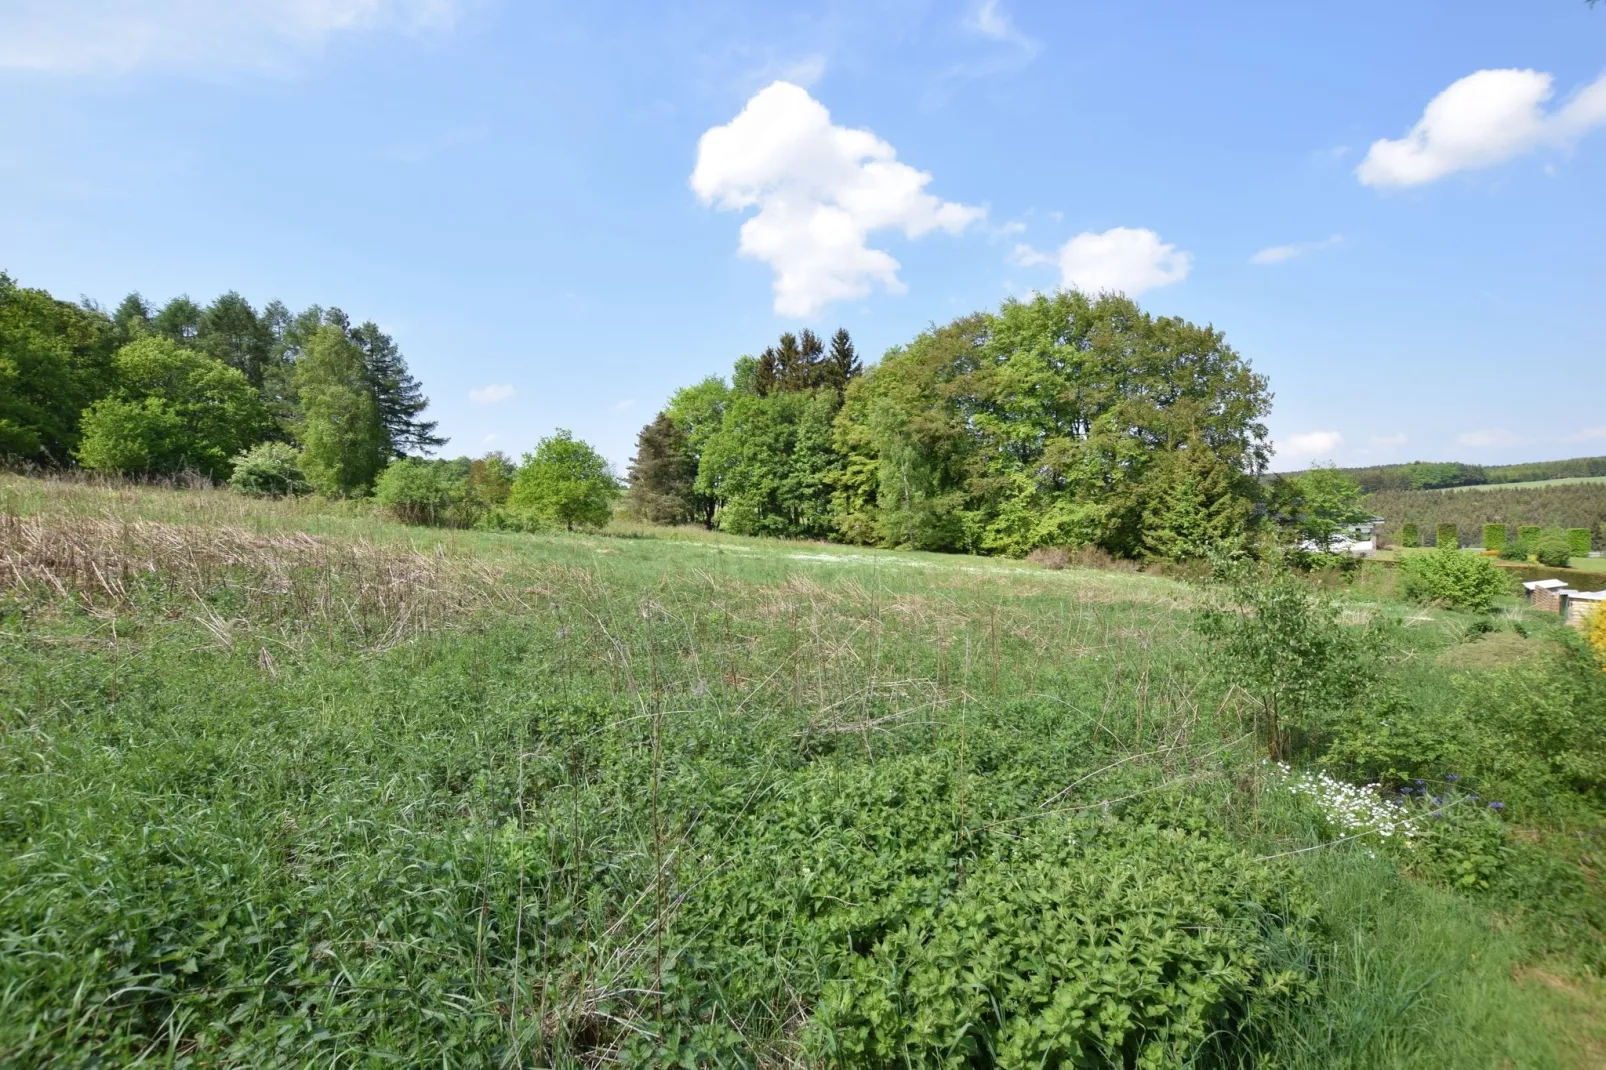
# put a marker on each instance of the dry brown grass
(230, 577)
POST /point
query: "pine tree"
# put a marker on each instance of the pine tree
(787, 358)
(399, 396)
(765, 375)
(842, 366)
(804, 373)
(230, 330)
(179, 319)
(662, 474)
(132, 318)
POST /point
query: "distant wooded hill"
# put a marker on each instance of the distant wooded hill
(1436, 475)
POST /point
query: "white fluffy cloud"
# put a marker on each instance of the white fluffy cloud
(1311, 443)
(490, 395)
(117, 36)
(1483, 119)
(1276, 254)
(1122, 259)
(1489, 436)
(820, 190)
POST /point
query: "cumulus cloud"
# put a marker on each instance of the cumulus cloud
(1122, 259)
(115, 36)
(490, 395)
(1485, 118)
(1489, 436)
(1311, 443)
(820, 191)
(1276, 254)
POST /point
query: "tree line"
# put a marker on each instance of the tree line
(144, 390)
(1064, 420)
(1436, 475)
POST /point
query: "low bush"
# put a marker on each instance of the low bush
(269, 470)
(1447, 536)
(1515, 551)
(417, 491)
(1552, 549)
(1450, 578)
(1494, 537)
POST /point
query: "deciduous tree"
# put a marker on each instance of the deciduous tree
(342, 433)
(565, 483)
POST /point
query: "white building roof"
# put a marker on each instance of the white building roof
(1547, 585)
(1587, 596)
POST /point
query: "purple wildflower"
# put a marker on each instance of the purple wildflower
(1451, 777)
(1497, 806)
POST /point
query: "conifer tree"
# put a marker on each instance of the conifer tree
(399, 396)
(842, 366)
(662, 474)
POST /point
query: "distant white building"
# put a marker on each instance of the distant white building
(1358, 540)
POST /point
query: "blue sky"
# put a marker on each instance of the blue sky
(524, 195)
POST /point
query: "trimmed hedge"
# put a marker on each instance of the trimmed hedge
(1410, 536)
(1447, 535)
(1494, 537)
(1578, 541)
(1551, 548)
(1528, 534)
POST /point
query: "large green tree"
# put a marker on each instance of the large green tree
(565, 483)
(1319, 505)
(172, 408)
(342, 434)
(55, 359)
(1048, 423)
(697, 412)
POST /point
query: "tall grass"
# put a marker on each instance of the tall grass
(283, 785)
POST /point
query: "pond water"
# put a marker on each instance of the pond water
(1577, 579)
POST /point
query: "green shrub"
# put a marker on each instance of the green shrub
(417, 491)
(1553, 549)
(1494, 537)
(1451, 578)
(1528, 534)
(1284, 645)
(1410, 536)
(269, 470)
(1447, 536)
(1515, 551)
(1080, 945)
(1578, 541)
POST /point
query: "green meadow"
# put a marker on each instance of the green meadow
(284, 784)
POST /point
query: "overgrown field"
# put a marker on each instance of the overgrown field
(284, 785)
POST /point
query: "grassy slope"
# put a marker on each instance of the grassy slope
(1527, 485)
(436, 794)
